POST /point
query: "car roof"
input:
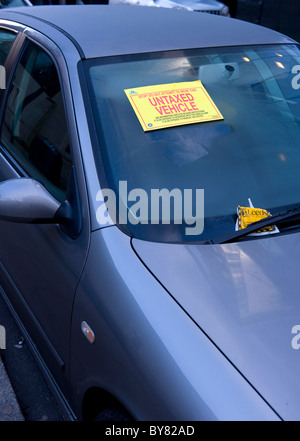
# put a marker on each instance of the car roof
(105, 30)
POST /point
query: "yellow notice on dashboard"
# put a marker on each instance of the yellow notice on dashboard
(169, 105)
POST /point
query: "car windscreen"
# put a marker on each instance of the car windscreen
(185, 182)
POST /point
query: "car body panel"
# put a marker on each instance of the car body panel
(245, 297)
(82, 26)
(156, 368)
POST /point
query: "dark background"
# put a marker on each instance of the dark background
(280, 15)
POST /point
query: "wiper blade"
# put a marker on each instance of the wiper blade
(288, 215)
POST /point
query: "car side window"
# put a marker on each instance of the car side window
(34, 129)
(6, 40)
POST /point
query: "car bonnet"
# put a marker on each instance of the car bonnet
(245, 298)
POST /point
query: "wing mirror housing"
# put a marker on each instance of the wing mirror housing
(26, 200)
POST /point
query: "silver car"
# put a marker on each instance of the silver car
(14, 3)
(149, 206)
(151, 3)
(210, 6)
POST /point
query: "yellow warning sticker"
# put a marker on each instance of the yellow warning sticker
(169, 105)
(248, 215)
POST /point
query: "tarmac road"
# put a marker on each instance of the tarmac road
(9, 406)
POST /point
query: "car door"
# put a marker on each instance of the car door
(40, 264)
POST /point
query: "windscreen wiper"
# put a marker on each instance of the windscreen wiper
(287, 216)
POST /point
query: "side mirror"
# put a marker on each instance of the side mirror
(26, 200)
